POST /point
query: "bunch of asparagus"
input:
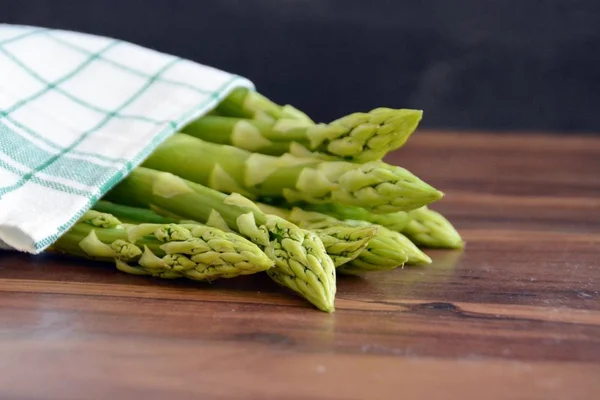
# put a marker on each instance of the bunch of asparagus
(258, 187)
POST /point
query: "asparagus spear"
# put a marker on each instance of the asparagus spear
(245, 103)
(386, 250)
(414, 255)
(381, 253)
(345, 243)
(301, 261)
(342, 243)
(133, 214)
(170, 251)
(377, 186)
(424, 227)
(429, 228)
(100, 219)
(359, 137)
(395, 221)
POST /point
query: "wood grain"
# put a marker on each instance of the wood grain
(514, 316)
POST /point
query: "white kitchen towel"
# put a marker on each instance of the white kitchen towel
(77, 113)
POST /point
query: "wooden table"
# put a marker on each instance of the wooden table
(515, 316)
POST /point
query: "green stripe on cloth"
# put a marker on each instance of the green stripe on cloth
(125, 67)
(195, 112)
(47, 183)
(33, 31)
(53, 145)
(22, 151)
(49, 85)
(55, 86)
(66, 150)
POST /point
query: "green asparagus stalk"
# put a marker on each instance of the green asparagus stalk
(359, 137)
(386, 250)
(301, 261)
(395, 221)
(414, 255)
(376, 186)
(343, 242)
(245, 103)
(169, 251)
(381, 253)
(134, 215)
(429, 228)
(100, 219)
(424, 227)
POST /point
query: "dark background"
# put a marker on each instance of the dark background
(472, 64)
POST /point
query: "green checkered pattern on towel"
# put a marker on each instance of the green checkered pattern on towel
(77, 113)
